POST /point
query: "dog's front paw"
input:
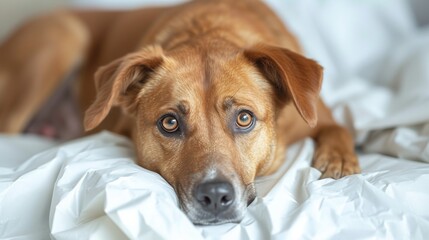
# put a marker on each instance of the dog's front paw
(335, 162)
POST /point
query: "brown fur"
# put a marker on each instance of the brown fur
(202, 61)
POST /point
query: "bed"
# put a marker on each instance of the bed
(376, 61)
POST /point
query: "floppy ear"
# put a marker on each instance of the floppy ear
(119, 82)
(293, 76)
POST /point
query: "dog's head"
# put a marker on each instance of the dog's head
(206, 121)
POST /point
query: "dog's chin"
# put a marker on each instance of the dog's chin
(204, 219)
(215, 221)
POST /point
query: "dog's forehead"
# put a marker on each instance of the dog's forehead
(208, 78)
(199, 83)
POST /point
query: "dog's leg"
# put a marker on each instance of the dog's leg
(33, 62)
(335, 156)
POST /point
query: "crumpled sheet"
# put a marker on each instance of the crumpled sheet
(91, 189)
(376, 81)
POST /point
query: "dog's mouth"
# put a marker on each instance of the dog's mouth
(214, 206)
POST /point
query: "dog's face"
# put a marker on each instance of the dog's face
(206, 121)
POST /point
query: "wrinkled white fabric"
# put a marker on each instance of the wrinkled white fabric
(376, 81)
(91, 189)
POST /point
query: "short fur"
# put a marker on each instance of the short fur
(203, 62)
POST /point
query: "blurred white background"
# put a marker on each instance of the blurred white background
(12, 12)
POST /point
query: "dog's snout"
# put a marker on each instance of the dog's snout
(216, 196)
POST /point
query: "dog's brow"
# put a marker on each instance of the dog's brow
(183, 108)
(228, 103)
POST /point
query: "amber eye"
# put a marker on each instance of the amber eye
(244, 120)
(169, 124)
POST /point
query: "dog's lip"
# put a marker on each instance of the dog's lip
(251, 193)
(217, 221)
(250, 200)
(205, 218)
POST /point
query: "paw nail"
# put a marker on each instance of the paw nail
(337, 175)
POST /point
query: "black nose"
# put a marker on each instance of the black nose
(215, 197)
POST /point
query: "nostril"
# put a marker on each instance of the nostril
(226, 200)
(206, 201)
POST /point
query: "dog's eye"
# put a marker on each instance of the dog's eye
(244, 120)
(169, 124)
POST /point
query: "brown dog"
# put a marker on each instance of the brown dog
(211, 92)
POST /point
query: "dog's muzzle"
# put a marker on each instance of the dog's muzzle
(218, 201)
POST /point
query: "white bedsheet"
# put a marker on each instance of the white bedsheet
(377, 82)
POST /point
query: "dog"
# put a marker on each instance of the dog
(211, 92)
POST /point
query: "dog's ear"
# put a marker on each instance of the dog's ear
(293, 76)
(119, 82)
